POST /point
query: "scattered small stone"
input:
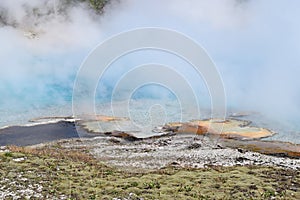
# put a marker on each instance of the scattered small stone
(179, 150)
(162, 142)
(131, 196)
(241, 159)
(3, 149)
(174, 163)
(115, 140)
(19, 159)
(241, 150)
(194, 146)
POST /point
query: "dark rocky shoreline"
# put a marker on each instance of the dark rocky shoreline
(41, 133)
(68, 129)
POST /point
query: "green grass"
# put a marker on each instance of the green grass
(76, 175)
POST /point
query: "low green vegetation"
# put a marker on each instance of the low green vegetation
(98, 4)
(54, 172)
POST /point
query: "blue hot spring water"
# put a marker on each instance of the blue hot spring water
(48, 93)
(56, 100)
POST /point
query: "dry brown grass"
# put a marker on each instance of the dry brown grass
(78, 155)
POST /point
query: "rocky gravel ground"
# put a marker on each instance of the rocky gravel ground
(178, 150)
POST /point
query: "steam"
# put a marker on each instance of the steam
(254, 44)
(42, 46)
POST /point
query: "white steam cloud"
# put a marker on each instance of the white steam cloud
(255, 45)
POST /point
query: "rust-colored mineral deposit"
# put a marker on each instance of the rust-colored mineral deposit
(230, 128)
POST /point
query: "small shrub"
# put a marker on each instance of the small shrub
(188, 188)
(152, 185)
(185, 188)
(8, 154)
(268, 193)
(134, 184)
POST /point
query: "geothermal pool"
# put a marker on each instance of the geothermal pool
(145, 115)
